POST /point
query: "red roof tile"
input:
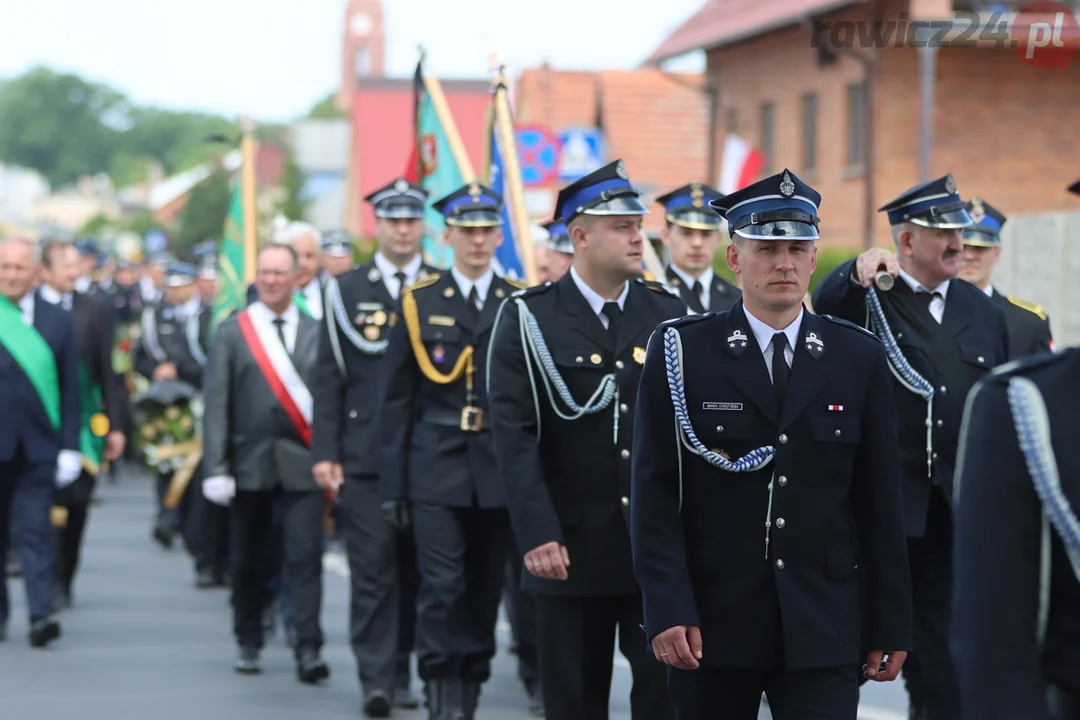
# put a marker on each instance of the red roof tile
(721, 22)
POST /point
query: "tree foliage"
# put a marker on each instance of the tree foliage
(327, 109)
(203, 217)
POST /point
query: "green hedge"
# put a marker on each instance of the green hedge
(828, 258)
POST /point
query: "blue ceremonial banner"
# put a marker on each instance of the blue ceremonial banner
(507, 262)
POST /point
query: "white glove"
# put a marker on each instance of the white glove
(219, 489)
(68, 467)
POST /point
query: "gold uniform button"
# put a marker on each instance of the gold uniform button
(595, 358)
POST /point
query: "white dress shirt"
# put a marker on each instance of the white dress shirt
(706, 284)
(764, 335)
(312, 293)
(482, 284)
(937, 304)
(265, 316)
(83, 284)
(27, 307)
(388, 269)
(593, 298)
(148, 291)
(52, 296)
(989, 290)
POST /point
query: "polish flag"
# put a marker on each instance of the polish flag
(742, 164)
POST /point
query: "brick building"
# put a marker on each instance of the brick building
(850, 121)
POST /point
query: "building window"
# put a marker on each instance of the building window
(767, 136)
(856, 97)
(809, 109)
(362, 62)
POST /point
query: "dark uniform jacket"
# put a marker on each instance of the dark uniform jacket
(1001, 669)
(699, 532)
(353, 337)
(425, 456)
(1028, 326)
(722, 294)
(970, 340)
(246, 431)
(166, 339)
(95, 332)
(569, 480)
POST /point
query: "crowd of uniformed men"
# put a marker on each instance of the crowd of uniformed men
(748, 497)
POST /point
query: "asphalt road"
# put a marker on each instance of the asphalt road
(142, 642)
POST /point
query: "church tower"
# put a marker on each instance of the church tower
(363, 48)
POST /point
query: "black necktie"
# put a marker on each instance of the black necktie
(926, 297)
(780, 370)
(611, 310)
(696, 289)
(474, 303)
(400, 277)
(280, 324)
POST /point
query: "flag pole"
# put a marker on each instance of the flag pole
(251, 216)
(453, 138)
(515, 199)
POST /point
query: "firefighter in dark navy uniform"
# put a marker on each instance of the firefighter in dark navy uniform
(1027, 323)
(362, 307)
(437, 463)
(564, 454)
(692, 235)
(766, 487)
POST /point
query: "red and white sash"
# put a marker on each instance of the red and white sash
(280, 373)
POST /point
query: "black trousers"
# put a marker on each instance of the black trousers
(251, 524)
(928, 671)
(521, 611)
(76, 499)
(577, 644)
(709, 693)
(383, 580)
(26, 498)
(206, 529)
(461, 553)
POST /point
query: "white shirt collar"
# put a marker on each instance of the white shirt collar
(989, 290)
(596, 302)
(388, 269)
(916, 286)
(83, 283)
(27, 307)
(764, 334)
(51, 295)
(482, 283)
(291, 316)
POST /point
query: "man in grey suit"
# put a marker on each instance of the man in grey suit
(256, 450)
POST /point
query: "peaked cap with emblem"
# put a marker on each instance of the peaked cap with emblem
(559, 237)
(606, 191)
(399, 199)
(935, 204)
(337, 243)
(472, 205)
(689, 207)
(178, 274)
(781, 207)
(986, 232)
(204, 256)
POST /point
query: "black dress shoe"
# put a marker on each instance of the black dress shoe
(163, 536)
(247, 662)
(43, 631)
(405, 699)
(377, 704)
(310, 668)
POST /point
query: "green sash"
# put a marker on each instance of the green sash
(301, 302)
(33, 355)
(94, 425)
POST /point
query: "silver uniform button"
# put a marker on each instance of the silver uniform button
(982, 359)
(719, 428)
(626, 502)
(619, 365)
(837, 433)
(623, 408)
(940, 423)
(780, 564)
(944, 389)
(780, 523)
(782, 480)
(625, 454)
(352, 413)
(783, 439)
(933, 456)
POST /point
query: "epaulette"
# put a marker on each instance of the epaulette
(1029, 362)
(423, 282)
(531, 290)
(686, 319)
(848, 324)
(519, 284)
(659, 287)
(1030, 307)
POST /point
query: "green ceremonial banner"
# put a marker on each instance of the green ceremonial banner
(440, 175)
(232, 295)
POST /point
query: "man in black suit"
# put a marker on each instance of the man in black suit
(437, 462)
(1016, 611)
(362, 306)
(103, 415)
(565, 465)
(1027, 323)
(256, 440)
(941, 335)
(39, 429)
(692, 235)
(750, 522)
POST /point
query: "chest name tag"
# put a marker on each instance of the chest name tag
(721, 406)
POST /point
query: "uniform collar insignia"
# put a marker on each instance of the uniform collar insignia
(814, 345)
(374, 275)
(737, 341)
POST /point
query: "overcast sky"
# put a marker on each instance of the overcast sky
(273, 59)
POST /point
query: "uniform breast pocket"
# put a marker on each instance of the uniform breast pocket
(443, 343)
(976, 357)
